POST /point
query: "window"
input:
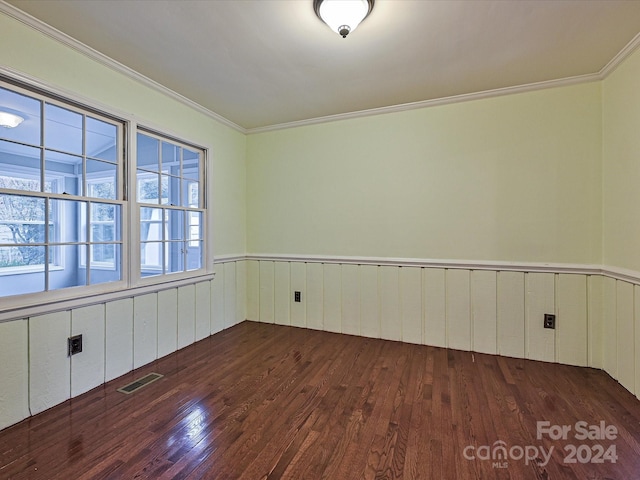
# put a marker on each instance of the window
(171, 208)
(65, 218)
(61, 195)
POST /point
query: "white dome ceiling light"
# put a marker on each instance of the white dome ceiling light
(343, 16)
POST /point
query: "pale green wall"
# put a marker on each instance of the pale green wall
(32, 53)
(513, 178)
(621, 165)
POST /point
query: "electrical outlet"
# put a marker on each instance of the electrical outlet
(75, 344)
(549, 320)
(297, 297)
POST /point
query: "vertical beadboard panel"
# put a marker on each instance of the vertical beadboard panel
(540, 299)
(241, 291)
(314, 296)
(253, 290)
(435, 315)
(350, 299)
(626, 339)
(266, 292)
(369, 301)
(609, 327)
(145, 329)
(595, 313)
(571, 323)
(186, 315)
(390, 322)
(298, 284)
(203, 310)
(14, 372)
(484, 311)
(229, 294)
(119, 338)
(458, 303)
(167, 321)
(282, 293)
(332, 297)
(49, 364)
(87, 367)
(511, 331)
(411, 304)
(636, 315)
(217, 300)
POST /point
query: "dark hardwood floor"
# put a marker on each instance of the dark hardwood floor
(267, 402)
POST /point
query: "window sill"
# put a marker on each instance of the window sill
(92, 295)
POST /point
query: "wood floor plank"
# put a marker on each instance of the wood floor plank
(264, 401)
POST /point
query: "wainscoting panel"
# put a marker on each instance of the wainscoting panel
(88, 368)
(119, 337)
(49, 364)
(484, 311)
(202, 310)
(609, 327)
(298, 284)
(241, 291)
(267, 314)
(350, 299)
(540, 299)
(572, 327)
(626, 340)
(389, 294)
(217, 301)
(230, 284)
(595, 347)
(458, 319)
(332, 301)
(369, 301)
(411, 304)
(283, 293)
(253, 290)
(145, 329)
(511, 328)
(168, 321)
(186, 315)
(14, 372)
(314, 301)
(435, 310)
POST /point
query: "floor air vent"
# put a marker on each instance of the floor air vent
(141, 382)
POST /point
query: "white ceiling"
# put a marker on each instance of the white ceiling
(261, 63)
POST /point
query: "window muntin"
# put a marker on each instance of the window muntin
(171, 210)
(63, 169)
(48, 170)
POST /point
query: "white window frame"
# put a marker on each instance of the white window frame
(48, 96)
(19, 306)
(164, 276)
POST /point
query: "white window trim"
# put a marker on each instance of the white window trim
(18, 306)
(203, 179)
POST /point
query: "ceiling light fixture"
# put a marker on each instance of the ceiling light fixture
(343, 16)
(10, 120)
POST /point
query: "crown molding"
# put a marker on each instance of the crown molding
(621, 56)
(108, 62)
(465, 97)
(101, 58)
